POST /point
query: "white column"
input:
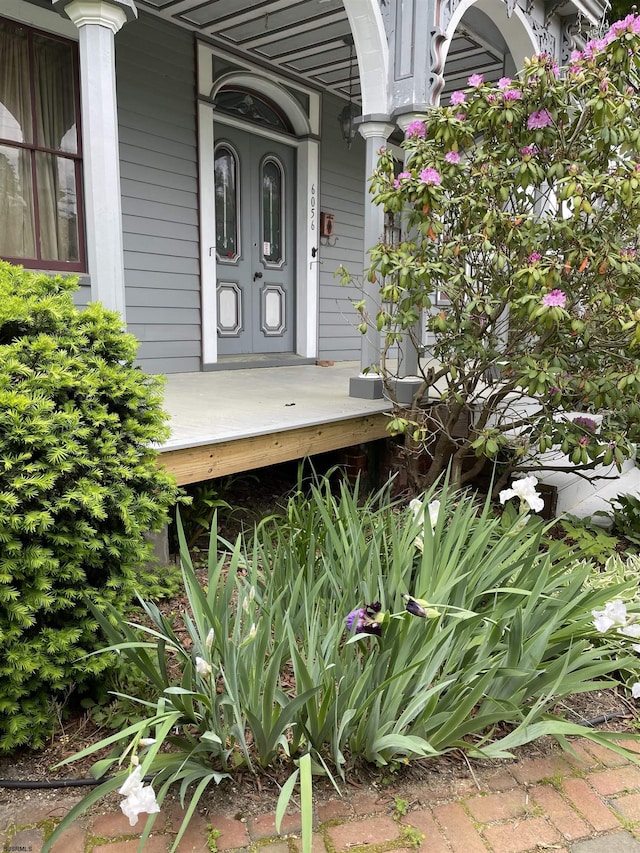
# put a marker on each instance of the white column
(98, 22)
(368, 385)
(307, 235)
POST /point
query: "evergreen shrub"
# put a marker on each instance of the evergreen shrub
(79, 487)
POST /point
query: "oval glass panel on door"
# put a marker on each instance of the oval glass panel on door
(255, 252)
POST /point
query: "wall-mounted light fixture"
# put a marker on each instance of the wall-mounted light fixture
(351, 110)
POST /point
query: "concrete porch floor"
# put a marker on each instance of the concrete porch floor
(223, 422)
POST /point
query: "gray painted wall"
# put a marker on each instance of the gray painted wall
(158, 167)
(82, 295)
(342, 191)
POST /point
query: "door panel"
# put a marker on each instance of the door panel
(255, 248)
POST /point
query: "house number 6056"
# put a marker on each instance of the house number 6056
(313, 207)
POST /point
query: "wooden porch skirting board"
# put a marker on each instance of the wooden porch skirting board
(208, 461)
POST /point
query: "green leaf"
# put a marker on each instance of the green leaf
(284, 797)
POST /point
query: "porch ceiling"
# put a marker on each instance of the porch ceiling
(306, 38)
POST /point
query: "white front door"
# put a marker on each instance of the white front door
(255, 251)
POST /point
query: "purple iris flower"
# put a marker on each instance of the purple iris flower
(366, 620)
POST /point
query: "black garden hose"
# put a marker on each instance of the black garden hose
(35, 785)
(605, 718)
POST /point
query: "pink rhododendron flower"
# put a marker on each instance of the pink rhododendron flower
(476, 80)
(555, 299)
(586, 423)
(534, 256)
(452, 157)
(416, 129)
(539, 119)
(402, 176)
(460, 116)
(512, 95)
(503, 82)
(548, 62)
(529, 150)
(596, 46)
(431, 177)
(458, 98)
(629, 24)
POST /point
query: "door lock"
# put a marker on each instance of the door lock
(257, 275)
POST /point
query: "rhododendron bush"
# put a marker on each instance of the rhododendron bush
(519, 205)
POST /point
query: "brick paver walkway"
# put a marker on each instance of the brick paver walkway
(558, 803)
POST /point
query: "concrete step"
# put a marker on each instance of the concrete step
(583, 499)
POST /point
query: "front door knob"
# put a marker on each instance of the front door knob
(257, 275)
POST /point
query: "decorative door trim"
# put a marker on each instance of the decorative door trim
(306, 145)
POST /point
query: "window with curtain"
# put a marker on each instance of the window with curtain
(40, 157)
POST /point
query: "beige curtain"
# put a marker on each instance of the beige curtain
(17, 228)
(56, 129)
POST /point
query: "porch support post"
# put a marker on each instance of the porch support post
(307, 239)
(375, 130)
(98, 21)
(408, 355)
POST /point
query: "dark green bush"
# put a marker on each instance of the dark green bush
(79, 487)
(626, 517)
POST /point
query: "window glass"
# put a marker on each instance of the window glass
(252, 107)
(58, 207)
(39, 150)
(55, 105)
(17, 223)
(15, 89)
(226, 195)
(272, 212)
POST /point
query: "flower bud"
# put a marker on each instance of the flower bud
(202, 667)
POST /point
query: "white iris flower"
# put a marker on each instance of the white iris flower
(525, 490)
(138, 798)
(614, 613)
(417, 507)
